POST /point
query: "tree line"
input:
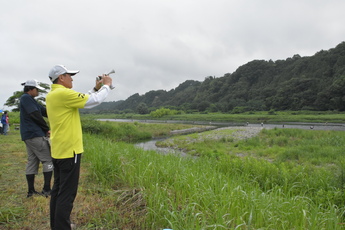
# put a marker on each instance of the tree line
(298, 83)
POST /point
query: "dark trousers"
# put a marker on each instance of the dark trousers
(66, 179)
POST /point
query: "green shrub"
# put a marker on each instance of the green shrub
(163, 112)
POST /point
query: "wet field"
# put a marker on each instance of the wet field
(151, 144)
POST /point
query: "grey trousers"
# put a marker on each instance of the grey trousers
(38, 150)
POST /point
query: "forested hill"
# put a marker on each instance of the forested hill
(297, 83)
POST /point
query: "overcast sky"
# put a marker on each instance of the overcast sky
(157, 44)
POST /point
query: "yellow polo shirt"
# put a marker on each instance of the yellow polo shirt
(63, 106)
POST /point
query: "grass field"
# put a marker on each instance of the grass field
(280, 179)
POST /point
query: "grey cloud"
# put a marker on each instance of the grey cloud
(157, 44)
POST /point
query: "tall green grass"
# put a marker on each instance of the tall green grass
(310, 160)
(218, 193)
(127, 132)
(130, 132)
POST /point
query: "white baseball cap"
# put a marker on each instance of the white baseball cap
(33, 83)
(58, 70)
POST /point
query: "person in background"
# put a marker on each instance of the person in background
(63, 106)
(5, 123)
(34, 132)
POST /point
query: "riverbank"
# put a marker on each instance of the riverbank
(266, 117)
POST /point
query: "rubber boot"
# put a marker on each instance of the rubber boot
(30, 178)
(47, 179)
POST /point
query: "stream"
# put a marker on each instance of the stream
(151, 145)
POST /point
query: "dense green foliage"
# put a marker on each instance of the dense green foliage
(163, 112)
(297, 83)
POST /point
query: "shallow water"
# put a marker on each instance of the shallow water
(151, 145)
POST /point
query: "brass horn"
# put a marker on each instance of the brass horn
(113, 71)
(100, 77)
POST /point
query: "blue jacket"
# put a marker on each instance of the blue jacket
(3, 119)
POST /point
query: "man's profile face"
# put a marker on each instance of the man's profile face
(66, 80)
(33, 92)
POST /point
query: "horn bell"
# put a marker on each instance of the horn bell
(113, 71)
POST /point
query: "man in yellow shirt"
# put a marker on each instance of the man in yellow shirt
(63, 106)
